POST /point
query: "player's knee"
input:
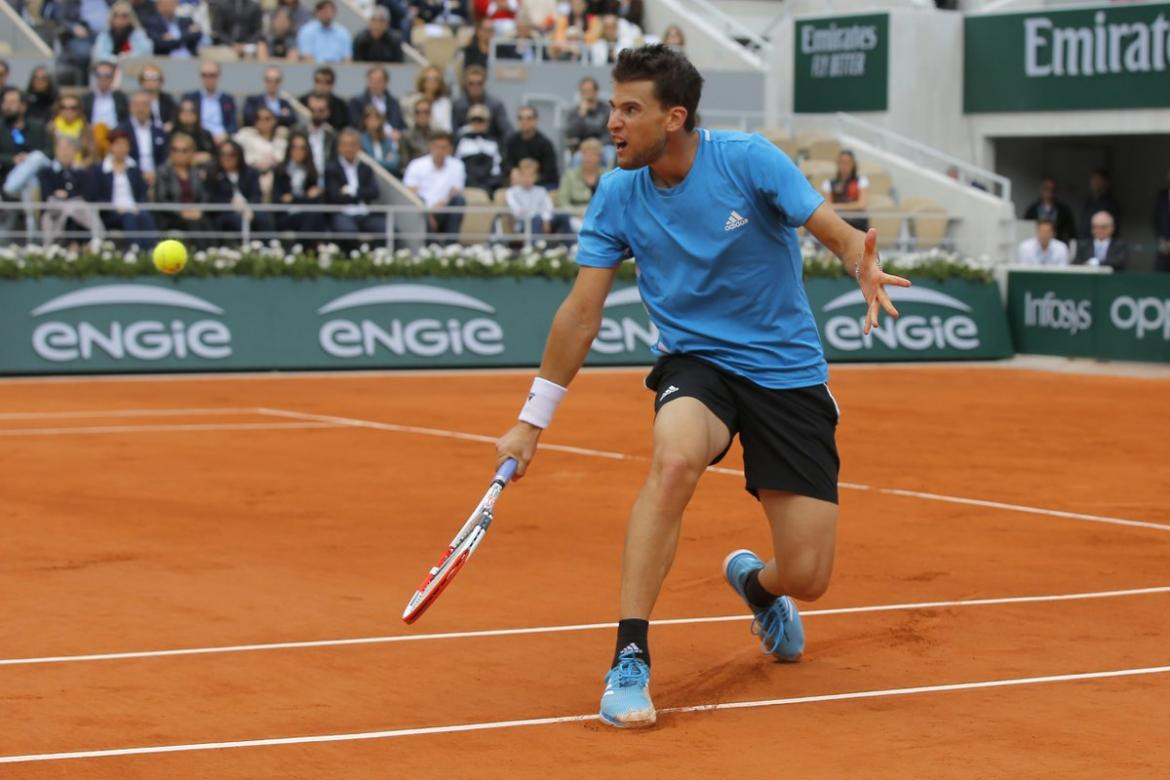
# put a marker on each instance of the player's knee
(809, 584)
(676, 472)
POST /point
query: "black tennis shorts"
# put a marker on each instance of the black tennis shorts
(788, 436)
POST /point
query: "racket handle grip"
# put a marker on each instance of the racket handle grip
(506, 470)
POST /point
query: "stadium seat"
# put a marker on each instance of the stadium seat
(880, 182)
(889, 228)
(477, 227)
(506, 223)
(929, 222)
(824, 149)
(440, 51)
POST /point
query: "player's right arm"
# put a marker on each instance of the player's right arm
(573, 329)
(601, 247)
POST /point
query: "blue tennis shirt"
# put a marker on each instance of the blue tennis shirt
(719, 265)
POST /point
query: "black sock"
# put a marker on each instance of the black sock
(756, 595)
(632, 631)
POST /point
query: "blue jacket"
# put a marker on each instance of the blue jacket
(101, 183)
(227, 104)
(189, 35)
(286, 117)
(158, 137)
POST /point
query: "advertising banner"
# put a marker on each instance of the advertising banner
(116, 325)
(1092, 58)
(842, 64)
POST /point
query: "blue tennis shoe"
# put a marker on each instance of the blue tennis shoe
(626, 701)
(778, 625)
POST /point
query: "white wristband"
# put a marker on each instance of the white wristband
(542, 402)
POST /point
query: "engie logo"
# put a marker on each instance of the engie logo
(423, 337)
(1054, 313)
(913, 332)
(1141, 315)
(140, 339)
(624, 334)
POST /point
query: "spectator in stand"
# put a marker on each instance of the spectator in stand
(496, 10)
(378, 43)
(187, 123)
(453, 13)
(41, 95)
(217, 111)
(322, 137)
(674, 38)
(540, 15)
(431, 85)
(117, 180)
(233, 182)
(479, 152)
(180, 181)
(590, 118)
(530, 204)
(479, 50)
(1162, 227)
(1047, 207)
(1104, 248)
(323, 81)
(616, 35)
(148, 141)
(350, 182)
(63, 187)
(524, 46)
(377, 95)
(298, 15)
(401, 17)
(264, 145)
(4, 71)
(271, 99)
(578, 184)
(24, 144)
(1100, 199)
(297, 186)
(104, 105)
(322, 40)
(630, 10)
(146, 12)
(848, 191)
(123, 37)
(1045, 248)
(439, 180)
(575, 32)
(238, 24)
(529, 142)
(474, 93)
(281, 43)
(416, 140)
(377, 143)
(173, 36)
(77, 23)
(162, 105)
(68, 122)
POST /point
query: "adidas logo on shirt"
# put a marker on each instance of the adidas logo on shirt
(667, 391)
(734, 221)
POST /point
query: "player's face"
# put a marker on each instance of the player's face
(637, 122)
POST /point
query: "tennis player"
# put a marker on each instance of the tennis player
(710, 218)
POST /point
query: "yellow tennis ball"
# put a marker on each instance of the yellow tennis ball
(170, 256)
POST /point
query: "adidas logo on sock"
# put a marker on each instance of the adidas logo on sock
(631, 649)
(668, 391)
(734, 221)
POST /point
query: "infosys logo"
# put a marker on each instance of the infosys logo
(353, 337)
(1052, 313)
(914, 332)
(125, 338)
(624, 334)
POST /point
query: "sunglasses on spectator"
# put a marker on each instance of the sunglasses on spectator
(121, 15)
(182, 149)
(151, 77)
(300, 146)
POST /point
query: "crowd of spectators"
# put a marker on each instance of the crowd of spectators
(1090, 239)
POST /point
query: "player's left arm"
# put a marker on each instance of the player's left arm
(858, 252)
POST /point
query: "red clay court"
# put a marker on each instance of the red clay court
(203, 578)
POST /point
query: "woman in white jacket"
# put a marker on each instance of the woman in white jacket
(265, 145)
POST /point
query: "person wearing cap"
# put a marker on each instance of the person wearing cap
(322, 40)
(479, 151)
(117, 180)
(378, 43)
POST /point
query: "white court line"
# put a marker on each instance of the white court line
(447, 434)
(505, 724)
(157, 412)
(373, 640)
(185, 427)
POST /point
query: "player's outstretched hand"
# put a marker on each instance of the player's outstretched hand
(873, 281)
(519, 443)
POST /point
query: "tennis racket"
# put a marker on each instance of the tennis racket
(460, 548)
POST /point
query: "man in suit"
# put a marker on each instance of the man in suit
(237, 23)
(377, 95)
(104, 105)
(323, 80)
(117, 180)
(173, 36)
(350, 182)
(322, 136)
(148, 141)
(270, 97)
(217, 111)
(20, 135)
(162, 105)
(1103, 248)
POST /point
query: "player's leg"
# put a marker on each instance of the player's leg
(804, 541)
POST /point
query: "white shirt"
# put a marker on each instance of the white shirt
(273, 104)
(434, 184)
(528, 202)
(1031, 253)
(145, 141)
(123, 193)
(104, 110)
(211, 113)
(1100, 251)
(351, 184)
